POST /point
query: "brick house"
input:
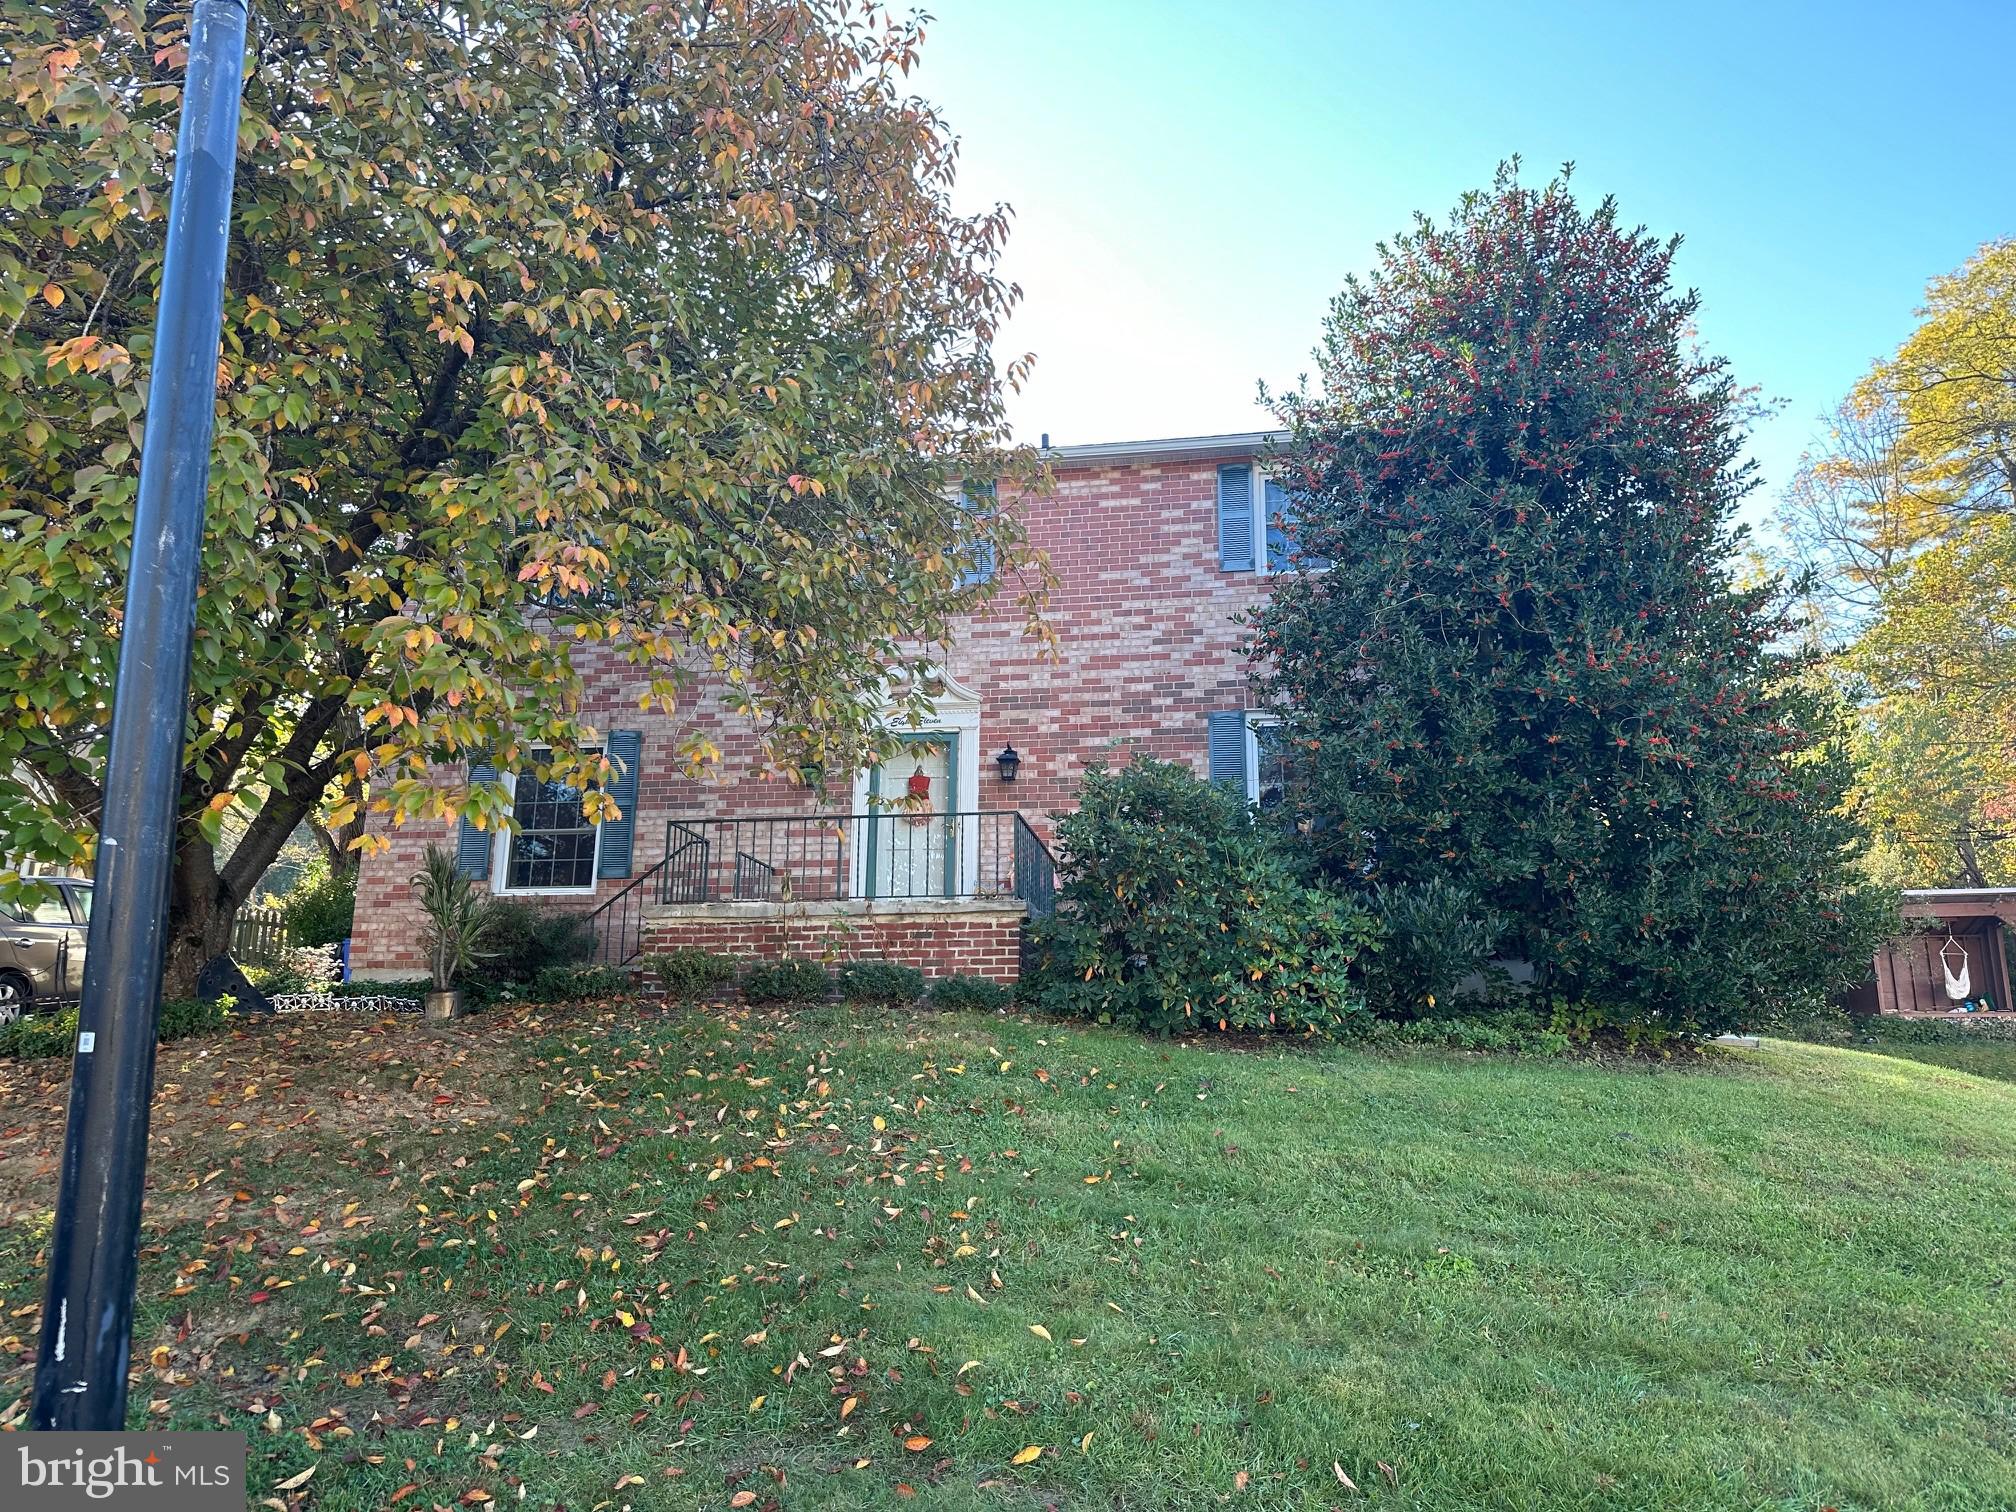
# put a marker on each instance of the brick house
(1157, 545)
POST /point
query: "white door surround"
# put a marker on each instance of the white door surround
(955, 714)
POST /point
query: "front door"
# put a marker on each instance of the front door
(911, 828)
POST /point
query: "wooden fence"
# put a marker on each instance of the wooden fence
(259, 938)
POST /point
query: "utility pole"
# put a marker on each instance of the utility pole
(87, 1317)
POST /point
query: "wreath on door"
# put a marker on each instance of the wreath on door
(918, 789)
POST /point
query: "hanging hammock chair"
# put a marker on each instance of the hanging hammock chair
(1959, 986)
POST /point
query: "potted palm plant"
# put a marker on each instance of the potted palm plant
(459, 921)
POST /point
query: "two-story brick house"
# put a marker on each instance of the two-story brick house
(1156, 545)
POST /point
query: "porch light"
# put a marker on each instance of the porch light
(1009, 763)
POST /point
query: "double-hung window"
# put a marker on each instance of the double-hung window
(1245, 751)
(1256, 523)
(1267, 767)
(553, 847)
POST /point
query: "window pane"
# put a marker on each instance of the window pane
(48, 907)
(554, 845)
(1280, 521)
(1271, 770)
(81, 896)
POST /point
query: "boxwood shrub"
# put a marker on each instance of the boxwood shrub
(415, 988)
(1176, 911)
(883, 982)
(690, 972)
(579, 984)
(975, 994)
(789, 980)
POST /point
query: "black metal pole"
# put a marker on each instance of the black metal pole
(87, 1319)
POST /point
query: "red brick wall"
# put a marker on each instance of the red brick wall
(970, 943)
(1148, 650)
(1148, 646)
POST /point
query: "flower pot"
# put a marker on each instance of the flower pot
(442, 1006)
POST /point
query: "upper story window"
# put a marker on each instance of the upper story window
(977, 500)
(1256, 522)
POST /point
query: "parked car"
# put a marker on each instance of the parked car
(42, 945)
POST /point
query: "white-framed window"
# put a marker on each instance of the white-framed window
(1256, 518)
(552, 847)
(1266, 763)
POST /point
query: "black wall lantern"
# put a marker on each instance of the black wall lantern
(1009, 763)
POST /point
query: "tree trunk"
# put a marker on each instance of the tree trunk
(199, 927)
(1970, 861)
(204, 898)
(201, 915)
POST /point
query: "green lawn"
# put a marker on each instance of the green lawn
(1995, 1059)
(1984, 1044)
(612, 1259)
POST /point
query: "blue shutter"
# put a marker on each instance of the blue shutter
(1228, 748)
(472, 845)
(977, 498)
(1235, 518)
(626, 749)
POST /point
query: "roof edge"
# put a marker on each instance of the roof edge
(1167, 449)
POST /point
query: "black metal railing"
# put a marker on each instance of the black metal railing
(619, 921)
(824, 858)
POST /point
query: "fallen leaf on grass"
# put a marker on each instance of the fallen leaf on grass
(1342, 1479)
(296, 1482)
(1041, 1332)
(916, 1443)
(1026, 1456)
(741, 1498)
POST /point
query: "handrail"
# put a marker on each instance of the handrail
(629, 921)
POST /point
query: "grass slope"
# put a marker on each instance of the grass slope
(613, 1260)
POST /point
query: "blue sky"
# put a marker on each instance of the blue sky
(1191, 182)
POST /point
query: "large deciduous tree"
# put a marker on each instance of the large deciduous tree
(639, 328)
(1531, 670)
(1908, 510)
